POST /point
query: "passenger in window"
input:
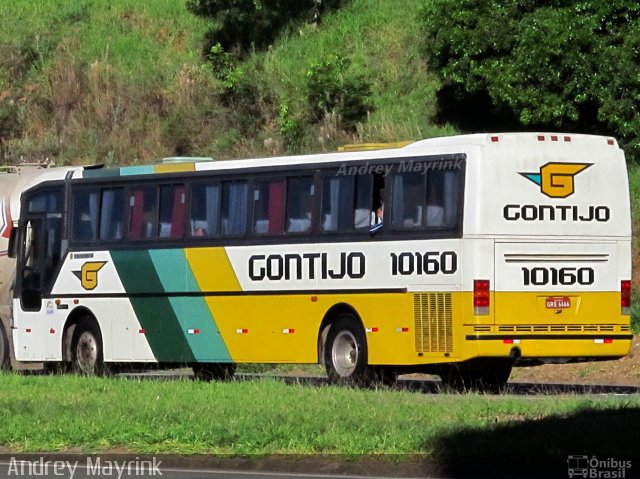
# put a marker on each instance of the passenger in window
(377, 219)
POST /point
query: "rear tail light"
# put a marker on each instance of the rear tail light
(625, 297)
(481, 297)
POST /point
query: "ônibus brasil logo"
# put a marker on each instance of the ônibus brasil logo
(556, 179)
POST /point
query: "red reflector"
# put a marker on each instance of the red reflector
(567, 138)
(141, 331)
(495, 139)
(405, 330)
(314, 299)
(374, 330)
(540, 137)
(610, 141)
(52, 331)
(28, 330)
(507, 341)
(554, 138)
(608, 340)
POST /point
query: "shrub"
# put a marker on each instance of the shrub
(241, 25)
(330, 88)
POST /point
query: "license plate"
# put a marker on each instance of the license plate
(558, 302)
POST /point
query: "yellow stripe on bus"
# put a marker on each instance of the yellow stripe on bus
(212, 269)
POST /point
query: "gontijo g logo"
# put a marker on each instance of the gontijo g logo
(88, 274)
(556, 179)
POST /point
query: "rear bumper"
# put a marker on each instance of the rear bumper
(531, 346)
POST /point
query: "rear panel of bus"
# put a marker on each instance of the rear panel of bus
(547, 219)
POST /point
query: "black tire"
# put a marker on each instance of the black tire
(86, 349)
(5, 353)
(489, 375)
(345, 353)
(214, 371)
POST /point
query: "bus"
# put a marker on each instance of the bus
(460, 256)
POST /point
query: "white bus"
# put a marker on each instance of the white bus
(460, 256)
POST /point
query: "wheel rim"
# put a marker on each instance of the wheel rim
(345, 353)
(87, 352)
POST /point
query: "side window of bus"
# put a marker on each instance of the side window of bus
(352, 202)
(85, 215)
(300, 192)
(268, 206)
(171, 214)
(234, 208)
(442, 199)
(142, 212)
(111, 214)
(425, 201)
(205, 209)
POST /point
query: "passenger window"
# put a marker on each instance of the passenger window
(85, 215)
(142, 212)
(205, 210)
(426, 200)
(408, 200)
(300, 192)
(268, 207)
(352, 202)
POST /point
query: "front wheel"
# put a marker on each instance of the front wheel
(86, 348)
(345, 353)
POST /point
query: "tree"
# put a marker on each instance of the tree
(570, 65)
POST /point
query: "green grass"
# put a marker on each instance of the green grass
(266, 417)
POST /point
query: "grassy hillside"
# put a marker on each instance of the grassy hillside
(124, 81)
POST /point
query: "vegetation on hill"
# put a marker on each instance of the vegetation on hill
(122, 82)
(552, 65)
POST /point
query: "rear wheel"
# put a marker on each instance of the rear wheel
(345, 353)
(214, 371)
(86, 349)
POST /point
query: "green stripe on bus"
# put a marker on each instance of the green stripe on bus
(155, 313)
(192, 312)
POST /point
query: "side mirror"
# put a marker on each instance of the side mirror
(13, 242)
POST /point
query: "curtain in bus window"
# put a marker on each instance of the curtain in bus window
(268, 207)
(143, 212)
(234, 219)
(299, 204)
(450, 194)
(85, 215)
(408, 200)
(111, 214)
(363, 206)
(337, 203)
(171, 213)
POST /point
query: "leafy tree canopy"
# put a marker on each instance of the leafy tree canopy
(563, 64)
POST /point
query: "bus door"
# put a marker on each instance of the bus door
(40, 248)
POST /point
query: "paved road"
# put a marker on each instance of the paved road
(124, 467)
(417, 385)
